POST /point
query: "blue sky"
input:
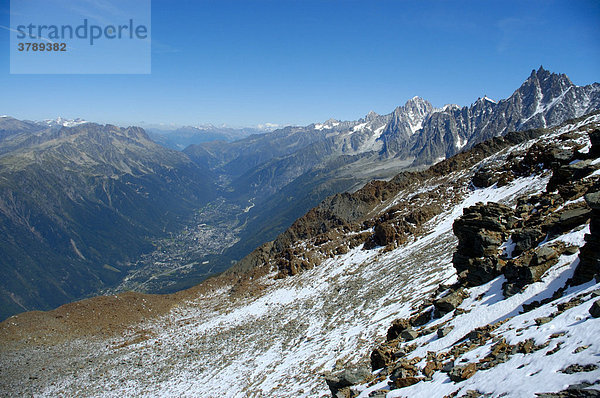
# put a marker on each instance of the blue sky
(295, 62)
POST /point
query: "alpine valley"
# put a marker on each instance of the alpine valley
(449, 252)
(476, 277)
(88, 209)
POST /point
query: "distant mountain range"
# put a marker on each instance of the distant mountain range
(80, 202)
(182, 137)
(290, 170)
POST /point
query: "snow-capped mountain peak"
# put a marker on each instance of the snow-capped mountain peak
(60, 121)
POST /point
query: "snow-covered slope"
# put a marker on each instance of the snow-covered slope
(254, 335)
(565, 339)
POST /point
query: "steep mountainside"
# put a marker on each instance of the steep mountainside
(471, 278)
(10, 126)
(78, 204)
(283, 174)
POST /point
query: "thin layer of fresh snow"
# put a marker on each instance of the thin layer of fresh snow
(522, 375)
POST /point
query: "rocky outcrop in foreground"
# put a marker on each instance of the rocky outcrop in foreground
(521, 243)
(589, 254)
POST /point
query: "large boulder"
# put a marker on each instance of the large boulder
(589, 254)
(480, 232)
(381, 357)
(595, 309)
(346, 378)
(398, 326)
(385, 233)
(566, 220)
(567, 174)
(450, 302)
(461, 373)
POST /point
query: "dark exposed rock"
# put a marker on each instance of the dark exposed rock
(529, 267)
(567, 220)
(570, 250)
(589, 254)
(566, 174)
(398, 326)
(575, 392)
(385, 233)
(421, 319)
(403, 370)
(378, 394)
(450, 302)
(481, 334)
(595, 309)
(576, 368)
(347, 378)
(431, 367)
(447, 367)
(381, 357)
(526, 347)
(480, 232)
(479, 270)
(543, 255)
(409, 334)
(526, 239)
(510, 289)
(542, 320)
(405, 382)
(461, 373)
(485, 178)
(443, 332)
(595, 141)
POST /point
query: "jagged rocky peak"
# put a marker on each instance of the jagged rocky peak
(450, 108)
(409, 117)
(543, 86)
(553, 84)
(417, 106)
(371, 116)
(484, 103)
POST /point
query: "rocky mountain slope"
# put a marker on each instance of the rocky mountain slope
(451, 281)
(285, 173)
(78, 204)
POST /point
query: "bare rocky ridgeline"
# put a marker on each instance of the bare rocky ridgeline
(368, 294)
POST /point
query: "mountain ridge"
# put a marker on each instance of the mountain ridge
(299, 328)
(261, 184)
